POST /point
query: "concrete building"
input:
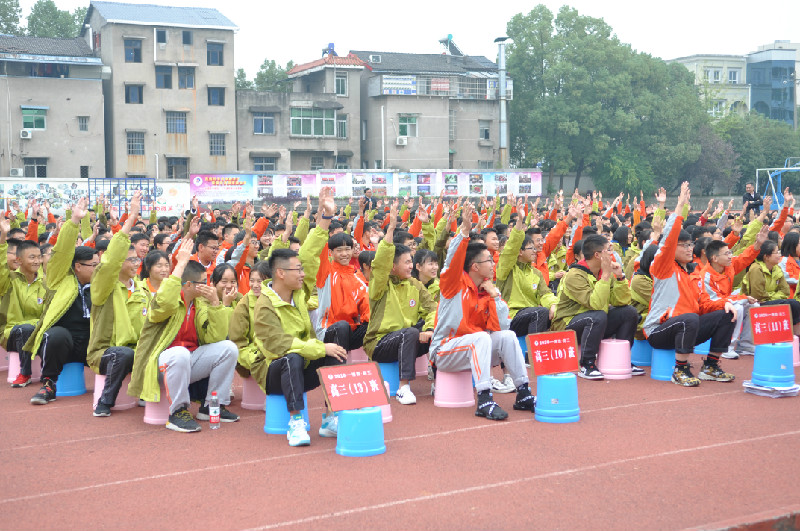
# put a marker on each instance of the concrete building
(51, 116)
(786, 84)
(169, 99)
(721, 81)
(429, 111)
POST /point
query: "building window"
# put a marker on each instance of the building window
(713, 75)
(733, 76)
(134, 94)
(341, 83)
(216, 142)
(161, 36)
(378, 164)
(135, 143)
(176, 122)
(486, 164)
(265, 163)
(35, 167)
(188, 39)
(452, 124)
(164, 77)
(313, 122)
(317, 163)
(186, 77)
(34, 119)
(717, 108)
(363, 130)
(216, 96)
(341, 126)
(342, 163)
(177, 168)
(83, 123)
(263, 123)
(483, 129)
(408, 125)
(133, 51)
(84, 172)
(214, 54)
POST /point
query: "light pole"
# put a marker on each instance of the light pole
(501, 66)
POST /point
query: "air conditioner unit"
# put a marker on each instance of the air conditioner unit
(374, 58)
(402, 140)
(26, 133)
(17, 172)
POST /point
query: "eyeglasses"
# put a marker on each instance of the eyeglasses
(215, 249)
(290, 269)
(528, 249)
(194, 283)
(134, 260)
(687, 245)
(483, 261)
(88, 265)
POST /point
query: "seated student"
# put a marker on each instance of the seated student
(207, 249)
(365, 259)
(223, 280)
(402, 311)
(426, 270)
(790, 263)
(22, 293)
(595, 302)
(289, 353)
(674, 320)
(242, 328)
(472, 324)
(183, 341)
(343, 311)
(642, 289)
(119, 308)
(766, 284)
(155, 269)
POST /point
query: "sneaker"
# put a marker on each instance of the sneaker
(506, 386)
(525, 401)
(488, 408)
(731, 354)
(431, 376)
(590, 372)
(141, 403)
(636, 371)
(297, 434)
(330, 425)
(22, 381)
(405, 396)
(684, 377)
(46, 394)
(224, 414)
(182, 421)
(102, 410)
(714, 373)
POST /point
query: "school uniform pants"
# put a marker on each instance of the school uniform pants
(16, 340)
(289, 376)
(344, 336)
(115, 365)
(402, 346)
(685, 331)
(596, 325)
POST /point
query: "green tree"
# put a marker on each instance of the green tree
(46, 20)
(624, 170)
(242, 83)
(715, 171)
(10, 14)
(272, 77)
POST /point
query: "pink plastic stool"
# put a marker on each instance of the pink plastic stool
(357, 356)
(386, 411)
(157, 412)
(3, 359)
(13, 368)
(614, 359)
(252, 395)
(123, 400)
(421, 365)
(453, 389)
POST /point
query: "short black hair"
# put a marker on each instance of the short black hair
(229, 227)
(219, 271)
(714, 247)
(421, 257)
(700, 246)
(280, 257)
(13, 243)
(592, 244)
(159, 238)
(151, 259)
(101, 244)
(139, 237)
(400, 250)
(684, 236)
(193, 270)
(365, 258)
(83, 253)
(340, 239)
(401, 236)
(204, 236)
(335, 225)
(767, 248)
(262, 268)
(25, 245)
(473, 250)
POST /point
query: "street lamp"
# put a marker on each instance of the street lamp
(501, 66)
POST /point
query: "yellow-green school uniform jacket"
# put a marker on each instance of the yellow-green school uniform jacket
(242, 330)
(583, 292)
(765, 285)
(20, 302)
(520, 284)
(641, 291)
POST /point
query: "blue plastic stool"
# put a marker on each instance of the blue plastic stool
(703, 348)
(276, 419)
(663, 364)
(772, 366)
(70, 381)
(391, 374)
(360, 432)
(524, 347)
(557, 398)
(641, 353)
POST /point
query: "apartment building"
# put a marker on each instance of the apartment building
(721, 80)
(772, 72)
(51, 116)
(170, 94)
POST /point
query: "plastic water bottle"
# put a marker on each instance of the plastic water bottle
(213, 411)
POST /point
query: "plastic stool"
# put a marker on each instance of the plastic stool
(71, 381)
(391, 374)
(276, 419)
(252, 395)
(557, 398)
(703, 348)
(773, 365)
(13, 368)
(796, 351)
(421, 365)
(453, 389)
(157, 413)
(641, 353)
(4, 359)
(357, 356)
(523, 345)
(360, 433)
(386, 411)
(123, 400)
(614, 359)
(663, 364)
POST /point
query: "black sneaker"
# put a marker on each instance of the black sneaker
(224, 414)
(488, 408)
(102, 410)
(636, 371)
(589, 371)
(525, 400)
(46, 394)
(182, 421)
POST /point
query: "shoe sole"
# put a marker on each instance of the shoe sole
(41, 401)
(730, 356)
(587, 377)
(174, 427)
(20, 386)
(203, 416)
(327, 433)
(684, 384)
(300, 443)
(712, 379)
(96, 414)
(480, 414)
(407, 403)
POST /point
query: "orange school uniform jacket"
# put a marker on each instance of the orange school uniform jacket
(342, 293)
(717, 287)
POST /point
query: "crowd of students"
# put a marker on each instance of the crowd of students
(180, 304)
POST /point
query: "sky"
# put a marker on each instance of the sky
(299, 30)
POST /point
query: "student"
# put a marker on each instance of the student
(183, 341)
(365, 259)
(402, 311)
(642, 289)
(790, 263)
(242, 328)
(426, 270)
(766, 284)
(207, 249)
(472, 324)
(155, 269)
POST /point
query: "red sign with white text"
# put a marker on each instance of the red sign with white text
(771, 324)
(553, 352)
(353, 386)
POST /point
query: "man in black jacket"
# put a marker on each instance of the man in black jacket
(751, 200)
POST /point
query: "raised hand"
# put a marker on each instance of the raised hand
(228, 295)
(422, 215)
(661, 195)
(194, 226)
(79, 210)
(326, 202)
(185, 251)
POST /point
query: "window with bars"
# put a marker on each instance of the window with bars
(341, 83)
(134, 94)
(483, 129)
(408, 125)
(188, 38)
(176, 122)
(317, 163)
(185, 77)
(263, 123)
(265, 163)
(313, 122)
(341, 126)
(216, 96)
(161, 36)
(34, 118)
(216, 142)
(35, 167)
(83, 123)
(342, 162)
(84, 172)
(485, 164)
(135, 142)
(133, 50)
(164, 77)
(452, 124)
(214, 54)
(177, 168)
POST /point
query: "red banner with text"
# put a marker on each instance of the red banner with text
(353, 386)
(771, 324)
(553, 352)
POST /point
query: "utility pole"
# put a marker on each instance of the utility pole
(501, 66)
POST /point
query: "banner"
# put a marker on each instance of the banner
(225, 188)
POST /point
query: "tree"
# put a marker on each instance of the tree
(624, 170)
(242, 83)
(10, 14)
(715, 171)
(46, 20)
(272, 77)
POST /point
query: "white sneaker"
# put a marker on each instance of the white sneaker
(731, 354)
(297, 434)
(330, 425)
(405, 396)
(506, 386)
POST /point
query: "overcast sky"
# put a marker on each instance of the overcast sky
(299, 30)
